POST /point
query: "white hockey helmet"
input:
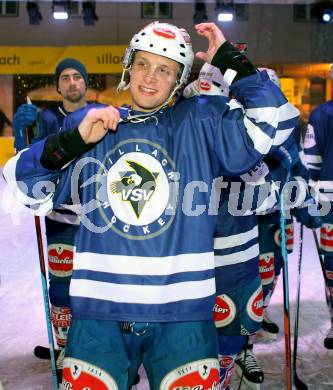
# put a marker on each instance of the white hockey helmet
(166, 40)
(209, 82)
(272, 76)
(212, 75)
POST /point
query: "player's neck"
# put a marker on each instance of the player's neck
(71, 107)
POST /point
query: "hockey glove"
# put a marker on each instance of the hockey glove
(25, 115)
(303, 216)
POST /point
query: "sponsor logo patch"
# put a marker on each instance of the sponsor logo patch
(226, 361)
(255, 305)
(199, 375)
(224, 310)
(289, 237)
(266, 268)
(326, 237)
(79, 375)
(60, 259)
(205, 85)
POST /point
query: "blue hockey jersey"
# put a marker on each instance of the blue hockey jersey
(144, 250)
(318, 146)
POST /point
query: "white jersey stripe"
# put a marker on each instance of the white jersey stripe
(273, 115)
(238, 257)
(310, 166)
(282, 135)
(264, 114)
(315, 158)
(136, 265)
(261, 141)
(123, 293)
(235, 239)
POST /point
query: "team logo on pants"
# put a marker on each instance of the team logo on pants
(79, 375)
(326, 237)
(266, 268)
(289, 237)
(60, 258)
(224, 310)
(255, 305)
(199, 375)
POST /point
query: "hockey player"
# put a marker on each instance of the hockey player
(143, 283)
(271, 260)
(61, 224)
(318, 146)
(238, 309)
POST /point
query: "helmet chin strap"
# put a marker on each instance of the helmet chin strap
(123, 85)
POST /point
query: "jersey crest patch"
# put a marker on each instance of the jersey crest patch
(140, 190)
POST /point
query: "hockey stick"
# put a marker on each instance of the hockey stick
(44, 287)
(321, 261)
(286, 311)
(299, 384)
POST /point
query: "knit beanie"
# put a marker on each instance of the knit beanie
(72, 64)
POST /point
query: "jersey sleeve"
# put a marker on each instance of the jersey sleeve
(36, 187)
(252, 125)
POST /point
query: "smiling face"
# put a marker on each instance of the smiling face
(72, 86)
(152, 79)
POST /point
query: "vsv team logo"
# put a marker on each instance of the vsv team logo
(142, 190)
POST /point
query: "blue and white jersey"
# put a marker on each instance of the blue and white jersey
(318, 146)
(145, 246)
(236, 250)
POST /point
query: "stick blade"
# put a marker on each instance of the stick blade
(299, 384)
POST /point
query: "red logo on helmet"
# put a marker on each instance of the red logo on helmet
(255, 305)
(266, 268)
(164, 32)
(205, 86)
(198, 375)
(224, 310)
(329, 275)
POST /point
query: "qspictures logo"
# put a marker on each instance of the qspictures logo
(10, 60)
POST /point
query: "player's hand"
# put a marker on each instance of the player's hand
(215, 40)
(97, 122)
(25, 115)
